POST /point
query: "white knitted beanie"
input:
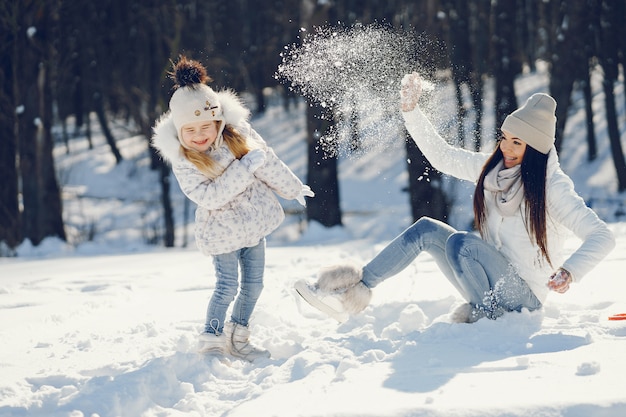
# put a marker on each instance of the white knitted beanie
(534, 122)
(193, 103)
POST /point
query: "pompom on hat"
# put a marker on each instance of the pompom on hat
(534, 122)
(193, 100)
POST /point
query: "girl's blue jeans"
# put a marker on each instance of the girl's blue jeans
(252, 263)
(480, 273)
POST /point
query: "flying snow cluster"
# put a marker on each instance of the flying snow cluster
(354, 75)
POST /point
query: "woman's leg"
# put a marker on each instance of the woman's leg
(252, 269)
(227, 274)
(426, 234)
(485, 278)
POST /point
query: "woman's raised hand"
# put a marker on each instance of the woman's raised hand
(410, 91)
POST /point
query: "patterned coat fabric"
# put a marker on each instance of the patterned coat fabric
(237, 209)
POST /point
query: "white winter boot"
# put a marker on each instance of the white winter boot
(213, 343)
(239, 345)
(461, 313)
(328, 303)
(338, 292)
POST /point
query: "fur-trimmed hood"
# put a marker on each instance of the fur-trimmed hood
(165, 137)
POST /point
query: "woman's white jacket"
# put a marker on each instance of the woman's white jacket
(237, 209)
(566, 210)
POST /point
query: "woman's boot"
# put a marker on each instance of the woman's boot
(338, 292)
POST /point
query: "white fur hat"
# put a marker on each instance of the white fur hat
(166, 136)
(194, 103)
(534, 122)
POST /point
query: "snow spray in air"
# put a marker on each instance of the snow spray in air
(354, 73)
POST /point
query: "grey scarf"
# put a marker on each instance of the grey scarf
(506, 184)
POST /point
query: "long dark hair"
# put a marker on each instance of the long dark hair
(533, 172)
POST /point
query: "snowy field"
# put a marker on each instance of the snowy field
(108, 325)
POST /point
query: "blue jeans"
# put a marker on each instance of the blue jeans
(252, 261)
(480, 273)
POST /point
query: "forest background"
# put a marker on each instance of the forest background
(62, 61)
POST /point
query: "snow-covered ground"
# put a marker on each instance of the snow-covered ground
(108, 326)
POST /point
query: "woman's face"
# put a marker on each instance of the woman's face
(199, 136)
(513, 149)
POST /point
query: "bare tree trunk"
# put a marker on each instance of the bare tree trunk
(561, 86)
(506, 60)
(479, 35)
(592, 151)
(609, 57)
(28, 166)
(427, 197)
(321, 174)
(104, 125)
(52, 215)
(563, 63)
(322, 167)
(88, 132)
(10, 233)
(459, 52)
(168, 213)
(614, 136)
(476, 89)
(620, 12)
(528, 27)
(461, 113)
(592, 29)
(570, 58)
(42, 215)
(148, 97)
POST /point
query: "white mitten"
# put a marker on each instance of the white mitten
(253, 160)
(305, 192)
(411, 91)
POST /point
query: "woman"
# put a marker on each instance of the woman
(523, 204)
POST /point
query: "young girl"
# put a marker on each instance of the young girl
(227, 169)
(523, 202)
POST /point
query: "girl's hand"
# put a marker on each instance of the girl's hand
(305, 192)
(411, 91)
(560, 281)
(253, 160)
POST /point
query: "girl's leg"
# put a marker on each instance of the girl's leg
(227, 273)
(426, 234)
(485, 277)
(252, 269)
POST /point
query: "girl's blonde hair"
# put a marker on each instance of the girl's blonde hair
(235, 141)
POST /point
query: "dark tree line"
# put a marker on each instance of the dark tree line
(61, 58)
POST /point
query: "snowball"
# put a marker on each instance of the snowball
(588, 368)
(355, 73)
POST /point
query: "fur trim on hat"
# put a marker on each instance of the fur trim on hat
(356, 298)
(165, 136)
(339, 277)
(235, 113)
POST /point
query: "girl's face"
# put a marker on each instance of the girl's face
(199, 136)
(512, 148)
